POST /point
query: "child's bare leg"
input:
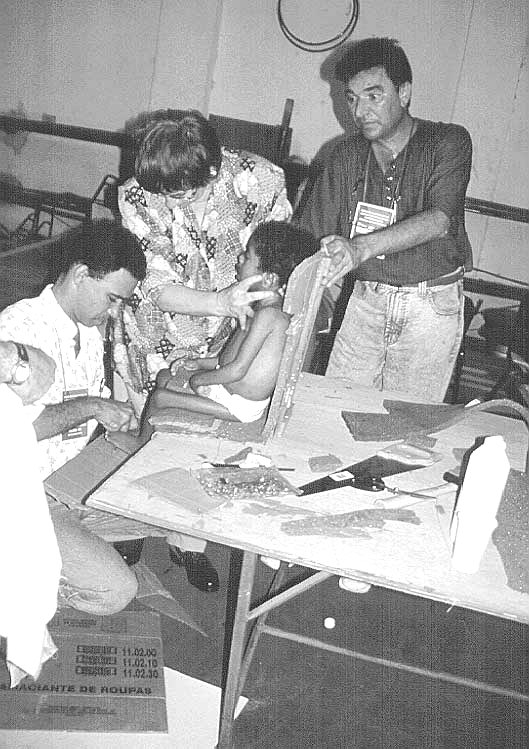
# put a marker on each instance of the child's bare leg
(167, 398)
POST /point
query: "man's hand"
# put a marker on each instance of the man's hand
(235, 301)
(42, 371)
(115, 415)
(346, 255)
(338, 249)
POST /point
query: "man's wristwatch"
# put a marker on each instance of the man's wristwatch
(21, 369)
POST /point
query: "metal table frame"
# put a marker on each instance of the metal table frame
(249, 622)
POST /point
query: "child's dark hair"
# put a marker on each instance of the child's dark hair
(281, 246)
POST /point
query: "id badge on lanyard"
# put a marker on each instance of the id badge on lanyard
(370, 217)
(82, 429)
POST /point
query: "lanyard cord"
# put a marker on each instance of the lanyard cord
(396, 189)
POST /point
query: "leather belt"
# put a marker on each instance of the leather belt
(452, 277)
(456, 275)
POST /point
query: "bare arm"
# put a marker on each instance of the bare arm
(8, 358)
(239, 366)
(412, 231)
(443, 201)
(206, 362)
(59, 417)
(233, 301)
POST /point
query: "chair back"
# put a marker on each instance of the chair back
(302, 301)
(270, 141)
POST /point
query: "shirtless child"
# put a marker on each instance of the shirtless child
(237, 385)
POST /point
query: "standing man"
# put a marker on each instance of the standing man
(390, 206)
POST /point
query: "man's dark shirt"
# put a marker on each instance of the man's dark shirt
(434, 171)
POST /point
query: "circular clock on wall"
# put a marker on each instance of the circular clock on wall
(317, 32)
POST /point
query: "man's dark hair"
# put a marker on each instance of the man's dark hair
(175, 151)
(375, 53)
(104, 246)
(281, 246)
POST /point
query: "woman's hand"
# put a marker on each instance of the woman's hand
(235, 301)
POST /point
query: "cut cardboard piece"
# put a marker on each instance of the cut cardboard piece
(302, 301)
(73, 482)
(153, 595)
(107, 676)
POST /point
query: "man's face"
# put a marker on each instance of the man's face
(377, 106)
(97, 298)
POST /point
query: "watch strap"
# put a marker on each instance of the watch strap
(22, 352)
(20, 371)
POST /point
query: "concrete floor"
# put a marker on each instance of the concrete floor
(303, 697)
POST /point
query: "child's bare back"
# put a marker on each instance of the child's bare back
(238, 384)
(264, 340)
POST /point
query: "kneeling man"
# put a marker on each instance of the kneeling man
(98, 266)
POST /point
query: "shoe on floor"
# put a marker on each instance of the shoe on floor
(271, 562)
(199, 570)
(353, 586)
(130, 550)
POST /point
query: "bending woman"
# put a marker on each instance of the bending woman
(193, 205)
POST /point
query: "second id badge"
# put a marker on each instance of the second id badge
(82, 429)
(370, 217)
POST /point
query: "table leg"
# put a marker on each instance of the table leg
(258, 625)
(230, 692)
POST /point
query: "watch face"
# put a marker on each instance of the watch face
(21, 371)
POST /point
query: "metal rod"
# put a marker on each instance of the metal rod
(437, 675)
(292, 592)
(253, 639)
(90, 134)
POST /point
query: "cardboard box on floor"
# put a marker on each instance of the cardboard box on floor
(107, 676)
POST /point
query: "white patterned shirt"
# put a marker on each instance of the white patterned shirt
(41, 322)
(179, 250)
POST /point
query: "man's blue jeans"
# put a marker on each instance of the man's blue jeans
(94, 577)
(400, 338)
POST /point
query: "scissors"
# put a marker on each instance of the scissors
(336, 480)
(365, 483)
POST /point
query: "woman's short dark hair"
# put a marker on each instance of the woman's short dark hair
(281, 246)
(175, 151)
(375, 53)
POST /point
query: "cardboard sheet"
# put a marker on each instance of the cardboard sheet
(107, 676)
(180, 487)
(193, 709)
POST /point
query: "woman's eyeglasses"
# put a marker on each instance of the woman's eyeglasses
(181, 194)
